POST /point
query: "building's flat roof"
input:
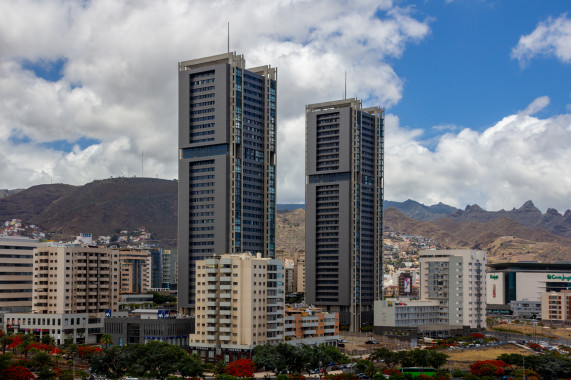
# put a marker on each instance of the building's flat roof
(531, 266)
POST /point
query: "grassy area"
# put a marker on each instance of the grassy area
(539, 331)
(461, 359)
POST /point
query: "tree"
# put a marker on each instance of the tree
(5, 340)
(160, 359)
(24, 346)
(106, 339)
(191, 366)
(41, 359)
(366, 367)
(48, 339)
(242, 368)
(387, 356)
(436, 359)
(16, 372)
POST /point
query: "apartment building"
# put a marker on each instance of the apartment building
(239, 304)
(16, 273)
(227, 163)
(299, 272)
(457, 280)
(75, 279)
(305, 324)
(556, 306)
(135, 271)
(344, 209)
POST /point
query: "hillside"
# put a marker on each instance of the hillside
(100, 207)
(106, 206)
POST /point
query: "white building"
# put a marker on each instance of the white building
(80, 327)
(399, 313)
(457, 280)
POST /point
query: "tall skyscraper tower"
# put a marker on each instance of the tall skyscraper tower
(227, 163)
(344, 209)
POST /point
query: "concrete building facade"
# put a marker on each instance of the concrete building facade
(344, 206)
(135, 271)
(75, 279)
(80, 327)
(307, 323)
(519, 281)
(457, 280)
(556, 306)
(16, 273)
(239, 304)
(227, 163)
(299, 272)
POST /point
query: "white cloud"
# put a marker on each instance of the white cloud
(519, 158)
(119, 83)
(550, 38)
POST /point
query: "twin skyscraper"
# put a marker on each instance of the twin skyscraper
(228, 175)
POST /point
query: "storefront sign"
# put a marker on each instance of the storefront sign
(561, 277)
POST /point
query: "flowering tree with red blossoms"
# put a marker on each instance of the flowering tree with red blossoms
(489, 368)
(17, 373)
(241, 368)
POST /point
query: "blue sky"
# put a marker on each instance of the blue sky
(476, 92)
(463, 75)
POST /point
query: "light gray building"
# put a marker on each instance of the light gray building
(456, 278)
(344, 209)
(227, 163)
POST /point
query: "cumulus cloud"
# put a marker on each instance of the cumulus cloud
(550, 38)
(117, 89)
(519, 158)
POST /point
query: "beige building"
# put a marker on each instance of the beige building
(16, 273)
(556, 306)
(135, 271)
(239, 304)
(299, 272)
(75, 279)
(308, 323)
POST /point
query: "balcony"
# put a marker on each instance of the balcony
(225, 337)
(225, 312)
(225, 295)
(210, 303)
(211, 312)
(210, 320)
(225, 329)
(224, 320)
(225, 304)
(211, 329)
(211, 287)
(309, 332)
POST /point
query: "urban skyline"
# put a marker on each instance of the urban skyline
(472, 89)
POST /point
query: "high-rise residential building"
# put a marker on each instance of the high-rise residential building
(170, 269)
(75, 279)
(156, 267)
(16, 273)
(239, 304)
(227, 163)
(135, 271)
(457, 280)
(299, 272)
(344, 209)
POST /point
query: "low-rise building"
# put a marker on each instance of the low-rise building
(307, 323)
(80, 327)
(143, 326)
(526, 309)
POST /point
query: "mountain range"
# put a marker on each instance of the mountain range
(106, 206)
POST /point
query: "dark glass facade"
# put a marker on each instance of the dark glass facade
(227, 162)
